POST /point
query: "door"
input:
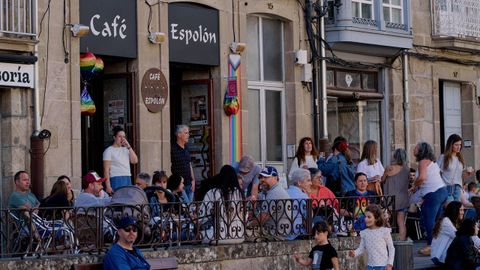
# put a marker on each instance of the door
(451, 114)
(192, 107)
(114, 99)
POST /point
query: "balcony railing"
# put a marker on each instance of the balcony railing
(456, 18)
(71, 231)
(17, 18)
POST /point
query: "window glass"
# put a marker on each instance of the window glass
(348, 80)
(273, 110)
(253, 59)
(367, 11)
(254, 124)
(330, 78)
(396, 15)
(368, 81)
(272, 50)
(386, 14)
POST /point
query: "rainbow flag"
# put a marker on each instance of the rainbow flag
(235, 121)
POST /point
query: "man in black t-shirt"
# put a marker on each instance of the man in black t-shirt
(323, 256)
(181, 160)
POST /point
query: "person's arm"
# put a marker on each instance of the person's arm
(359, 251)
(301, 260)
(464, 200)
(447, 228)
(386, 173)
(422, 172)
(336, 264)
(391, 249)
(106, 174)
(193, 178)
(327, 166)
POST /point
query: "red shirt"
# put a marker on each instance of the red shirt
(324, 195)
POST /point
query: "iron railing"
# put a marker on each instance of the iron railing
(17, 17)
(456, 18)
(24, 233)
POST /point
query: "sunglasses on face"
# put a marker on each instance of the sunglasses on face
(129, 229)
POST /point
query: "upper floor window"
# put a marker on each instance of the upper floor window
(362, 9)
(265, 50)
(392, 11)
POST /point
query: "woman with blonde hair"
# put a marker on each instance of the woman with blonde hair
(371, 166)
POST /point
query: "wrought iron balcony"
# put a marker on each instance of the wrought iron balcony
(456, 24)
(17, 18)
(381, 27)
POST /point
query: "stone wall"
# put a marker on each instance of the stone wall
(273, 255)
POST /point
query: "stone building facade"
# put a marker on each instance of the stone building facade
(364, 79)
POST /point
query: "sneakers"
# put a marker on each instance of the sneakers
(425, 251)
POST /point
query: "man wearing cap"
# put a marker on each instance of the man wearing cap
(276, 216)
(123, 255)
(248, 172)
(92, 189)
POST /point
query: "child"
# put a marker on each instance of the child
(376, 240)
(322, 256)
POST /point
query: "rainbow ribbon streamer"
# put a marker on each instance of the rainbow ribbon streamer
(235, 121)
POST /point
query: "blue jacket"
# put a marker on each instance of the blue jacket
(330, 166)
(119, 258)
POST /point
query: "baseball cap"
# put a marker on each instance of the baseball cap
(269, 171)
(126, 221)
(92, 177)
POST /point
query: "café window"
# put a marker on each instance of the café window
(352, 80)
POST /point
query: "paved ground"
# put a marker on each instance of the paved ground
(421, 262)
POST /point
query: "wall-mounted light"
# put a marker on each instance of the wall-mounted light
(237, 47)
(157, 37)
(79, 30)
(44, 134)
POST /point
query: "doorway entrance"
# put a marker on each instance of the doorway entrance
(114, 98)
(191, 93)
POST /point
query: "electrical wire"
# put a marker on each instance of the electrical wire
(65, 52)
(43, 17)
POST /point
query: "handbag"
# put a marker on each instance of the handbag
(376, 187)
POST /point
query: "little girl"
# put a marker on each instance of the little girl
(376, 240)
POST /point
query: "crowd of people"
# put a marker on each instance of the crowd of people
(437, 187)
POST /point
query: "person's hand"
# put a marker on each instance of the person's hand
(109, 190)
(296, 256)
(376, 178)
(305, 166)
(388, 267)
(193, 186)
(252, 198)
(125, 143)
(351, 254)
(321, 154)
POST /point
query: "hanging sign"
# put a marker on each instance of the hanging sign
(113, 27)
(154, 90)
(16, 75)
(193, 34)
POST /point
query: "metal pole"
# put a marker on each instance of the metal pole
(323, 73)
(406, 105)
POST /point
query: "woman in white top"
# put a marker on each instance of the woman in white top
(432, 189)
(116, 161)
(371, 166)
(452, 166)
(306, 156)
(227, 194)
(444, 231)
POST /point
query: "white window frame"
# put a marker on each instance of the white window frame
(391, 6)
(369, 2)
(262, 86)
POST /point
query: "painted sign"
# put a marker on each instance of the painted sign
(113, 27)
(193, 34)
(154, 90)
(16, 75)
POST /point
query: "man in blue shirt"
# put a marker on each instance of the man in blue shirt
(123, 255)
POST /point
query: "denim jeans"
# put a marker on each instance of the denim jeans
(119, 181)
(375, 267)
(188, 193)
(432, 209)
(454, 192)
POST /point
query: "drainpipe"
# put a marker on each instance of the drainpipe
(323, 78)
(406, 105)
(36, 144)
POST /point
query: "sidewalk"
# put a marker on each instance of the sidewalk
(421, 262)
